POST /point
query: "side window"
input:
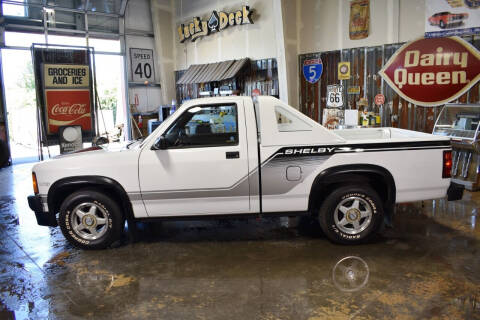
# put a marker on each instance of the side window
(288, 122)
(205, 126)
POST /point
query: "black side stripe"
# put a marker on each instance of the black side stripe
(322, 150)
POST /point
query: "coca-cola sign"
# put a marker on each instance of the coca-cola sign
(75, 108)
(68, 108)
(432, 72)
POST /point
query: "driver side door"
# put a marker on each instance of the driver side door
(204, 168)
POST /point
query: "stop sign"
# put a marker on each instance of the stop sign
(379, 99)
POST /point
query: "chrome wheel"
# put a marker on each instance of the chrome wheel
(89, 221)
(353, 215)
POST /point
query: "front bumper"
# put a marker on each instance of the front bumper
(455, 191)
(43, 218)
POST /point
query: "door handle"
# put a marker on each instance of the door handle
(232, 155)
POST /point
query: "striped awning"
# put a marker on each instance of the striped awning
(188, 76)
(234, 69)
(210, 72)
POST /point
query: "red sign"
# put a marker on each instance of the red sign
(432, 72)
(379, 99)
(68, 108)
(255, 93)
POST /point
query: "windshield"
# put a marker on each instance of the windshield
(148, 137)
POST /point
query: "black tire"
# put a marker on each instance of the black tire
(343, 231)
(107, 220)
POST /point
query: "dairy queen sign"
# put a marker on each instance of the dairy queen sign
(432, 72)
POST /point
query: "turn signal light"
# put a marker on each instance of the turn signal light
(35, 184)
(447, 164)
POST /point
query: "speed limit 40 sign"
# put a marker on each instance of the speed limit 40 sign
(335, 96)
(141, 61)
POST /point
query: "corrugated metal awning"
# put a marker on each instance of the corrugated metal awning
(222, 67)
(202, 68)
(207, 73)
(203, 73)
(234, 69)
(189, 74)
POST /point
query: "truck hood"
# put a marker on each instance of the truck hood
(94, 150)
(105, 161)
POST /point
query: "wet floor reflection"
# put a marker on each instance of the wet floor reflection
(426, 266)
(350, 274)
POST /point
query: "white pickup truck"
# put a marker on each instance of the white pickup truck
(232, 156)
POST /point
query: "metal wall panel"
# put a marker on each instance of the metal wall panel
(365, 64)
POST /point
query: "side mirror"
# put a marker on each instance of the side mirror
(160, 144)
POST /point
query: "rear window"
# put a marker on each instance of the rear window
(288, 122)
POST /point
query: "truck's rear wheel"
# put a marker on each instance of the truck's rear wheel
(91, 220)
(351, 214)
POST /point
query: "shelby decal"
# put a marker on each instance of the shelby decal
(218, 21)
(432, 72)
(300, 151)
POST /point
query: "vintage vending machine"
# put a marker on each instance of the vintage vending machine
(461, 123)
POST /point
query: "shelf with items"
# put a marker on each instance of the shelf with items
(461, 122)
(148, 84)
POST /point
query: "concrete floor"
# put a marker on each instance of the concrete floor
(427, 266)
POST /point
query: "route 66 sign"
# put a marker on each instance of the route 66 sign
(312, 69)
(334, 96)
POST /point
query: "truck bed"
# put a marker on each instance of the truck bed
(384, 134)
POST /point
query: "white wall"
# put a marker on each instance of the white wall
(324, 24)
(162, 17)
(139, 20)
(307, 26)
(255, 41)
(290, 12)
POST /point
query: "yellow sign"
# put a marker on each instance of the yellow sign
(343, 70)
(354, 90)
(359, 19)
(455, 3)
(66, 76)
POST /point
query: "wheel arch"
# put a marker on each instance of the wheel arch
(62, 188)
(379, 178)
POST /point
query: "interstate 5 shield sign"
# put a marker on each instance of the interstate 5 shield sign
(312, 69)
(432, 72)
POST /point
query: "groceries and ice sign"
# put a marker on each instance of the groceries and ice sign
(67, 96)
(66, 76)
(434, 71)
(312, 69)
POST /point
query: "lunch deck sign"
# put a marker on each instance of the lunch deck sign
(218, 21)
(434, 71)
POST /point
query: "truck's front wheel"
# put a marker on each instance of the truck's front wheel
(91, 220)
(351, 214)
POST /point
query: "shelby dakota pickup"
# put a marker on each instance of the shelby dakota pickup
(236, 157)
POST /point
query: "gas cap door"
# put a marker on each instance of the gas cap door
(294, 173)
